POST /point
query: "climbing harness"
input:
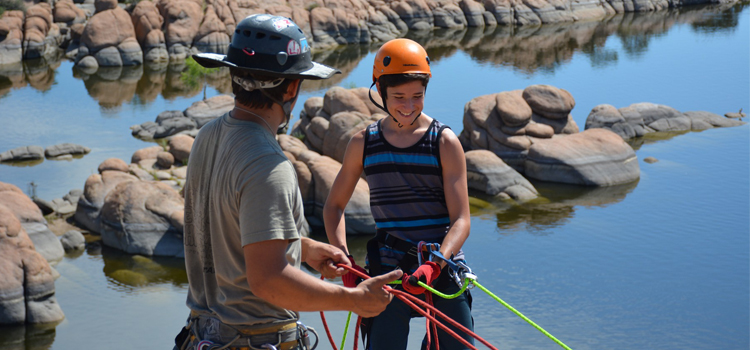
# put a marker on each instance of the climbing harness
(466, 279)
(292, 335)
(382, 237)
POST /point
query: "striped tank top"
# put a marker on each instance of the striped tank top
(406, 185)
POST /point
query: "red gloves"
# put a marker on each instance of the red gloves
(351, 279)
(426, 273)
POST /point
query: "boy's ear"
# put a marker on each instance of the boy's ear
(377, 85)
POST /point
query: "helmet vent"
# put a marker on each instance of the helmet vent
(386, 61)
(275, 37)
(260, 35)
(246, 33)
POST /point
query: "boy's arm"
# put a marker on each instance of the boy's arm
(456, 193)
(341, 191)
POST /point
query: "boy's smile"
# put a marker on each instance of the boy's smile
(405, 102)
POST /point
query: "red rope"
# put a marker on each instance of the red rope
(428, 312)
(431, 326)
(356, 331)
(328, 331)
(409, 299)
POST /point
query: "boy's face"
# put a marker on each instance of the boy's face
(405, 102)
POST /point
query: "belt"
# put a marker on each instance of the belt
(282, 336)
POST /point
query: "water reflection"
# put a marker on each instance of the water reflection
(555, 206)
(130, 272)
(27, 337)
(654, 137)
(38, 73)
(715, 22)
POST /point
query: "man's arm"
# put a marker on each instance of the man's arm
(342, 189)
(272, 278)
(456, 193)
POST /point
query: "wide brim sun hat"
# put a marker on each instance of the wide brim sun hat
(269, 45)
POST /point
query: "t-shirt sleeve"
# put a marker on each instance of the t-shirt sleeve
(268, 196)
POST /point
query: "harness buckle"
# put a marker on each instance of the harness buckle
(423, 246)
(205, 344)
(304, 336)
(464, 272)
(267, 346)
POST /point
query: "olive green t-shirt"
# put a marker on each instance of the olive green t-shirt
(240, 189)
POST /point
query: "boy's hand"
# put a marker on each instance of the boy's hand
(426, 273)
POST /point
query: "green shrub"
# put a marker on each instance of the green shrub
(195, 75)
(10, 5)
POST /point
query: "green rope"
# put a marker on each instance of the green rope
(520, 315)
(474, 282)
(445, 296)
(346, 329)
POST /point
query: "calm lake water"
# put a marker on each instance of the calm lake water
(662, 263)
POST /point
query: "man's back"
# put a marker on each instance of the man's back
(240, 189)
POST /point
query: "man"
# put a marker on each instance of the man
(243, 208)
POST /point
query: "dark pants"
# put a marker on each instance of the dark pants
(390, 329)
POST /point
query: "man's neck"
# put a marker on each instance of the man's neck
(268, 118)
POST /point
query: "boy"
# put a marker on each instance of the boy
(416, 170)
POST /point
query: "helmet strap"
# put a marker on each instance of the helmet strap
(286, 106)
(384, 107)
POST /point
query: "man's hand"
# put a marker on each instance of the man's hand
(323, 258)
(371, 298)
(350, 279)
(426, 273)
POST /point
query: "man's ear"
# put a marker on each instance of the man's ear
(291, 90)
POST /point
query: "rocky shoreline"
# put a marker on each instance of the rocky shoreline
(103, 33)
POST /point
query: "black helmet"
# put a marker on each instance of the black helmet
(270, 45)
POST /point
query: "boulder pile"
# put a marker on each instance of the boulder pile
(189, 121)
(27, 288)
(136, 207)
(532, 131)
(173, 29)
(108, 39)
(327, 124)
(11, 36)
(42, 36)
(32, 221)
(640, 119)
(315, 173)
(62, 151)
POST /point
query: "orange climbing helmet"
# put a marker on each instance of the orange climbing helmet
(400, 56)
